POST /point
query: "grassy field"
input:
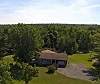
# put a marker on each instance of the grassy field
(45, 78)
(81, 58)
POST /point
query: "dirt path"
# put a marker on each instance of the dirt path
(77, 71)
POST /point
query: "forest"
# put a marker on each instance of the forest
(27, 40)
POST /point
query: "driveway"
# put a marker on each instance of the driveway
(78, 71)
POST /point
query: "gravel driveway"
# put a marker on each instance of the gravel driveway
(77, 71)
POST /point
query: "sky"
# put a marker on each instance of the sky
(50, 11)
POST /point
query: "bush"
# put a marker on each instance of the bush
(51, 68)
(97, 82)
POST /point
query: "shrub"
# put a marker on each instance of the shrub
(51, 68)
(97, 82)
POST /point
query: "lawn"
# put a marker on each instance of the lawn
(55, 78)
(45, 78)
(82, 59)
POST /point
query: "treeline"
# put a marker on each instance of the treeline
(27, 40)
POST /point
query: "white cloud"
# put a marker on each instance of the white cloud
(22, 3)
(93, 6)
(2, 8)
(82, 2)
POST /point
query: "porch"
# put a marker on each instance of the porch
(60, 63)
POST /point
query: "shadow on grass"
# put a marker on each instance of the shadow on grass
(49, 72)
(90, 73)
(96, 71)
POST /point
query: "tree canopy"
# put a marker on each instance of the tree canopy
(26, 41)
(5, 75)
(23, 71)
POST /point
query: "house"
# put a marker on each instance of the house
(48, 57)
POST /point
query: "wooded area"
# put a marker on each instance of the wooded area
(27, 40)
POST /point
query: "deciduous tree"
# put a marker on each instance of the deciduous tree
(26, 42)
(5, 75)
(24, 71)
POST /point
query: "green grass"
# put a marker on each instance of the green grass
(45, 78)
(55, 78)
(81, 58)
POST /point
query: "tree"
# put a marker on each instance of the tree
(27, 72)
(97, 51)
(84, 41)
(26, 42)
(50, 38)
(5, 75)
(24, 71)
(72, 46)
(3, 42)
(63, 41)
